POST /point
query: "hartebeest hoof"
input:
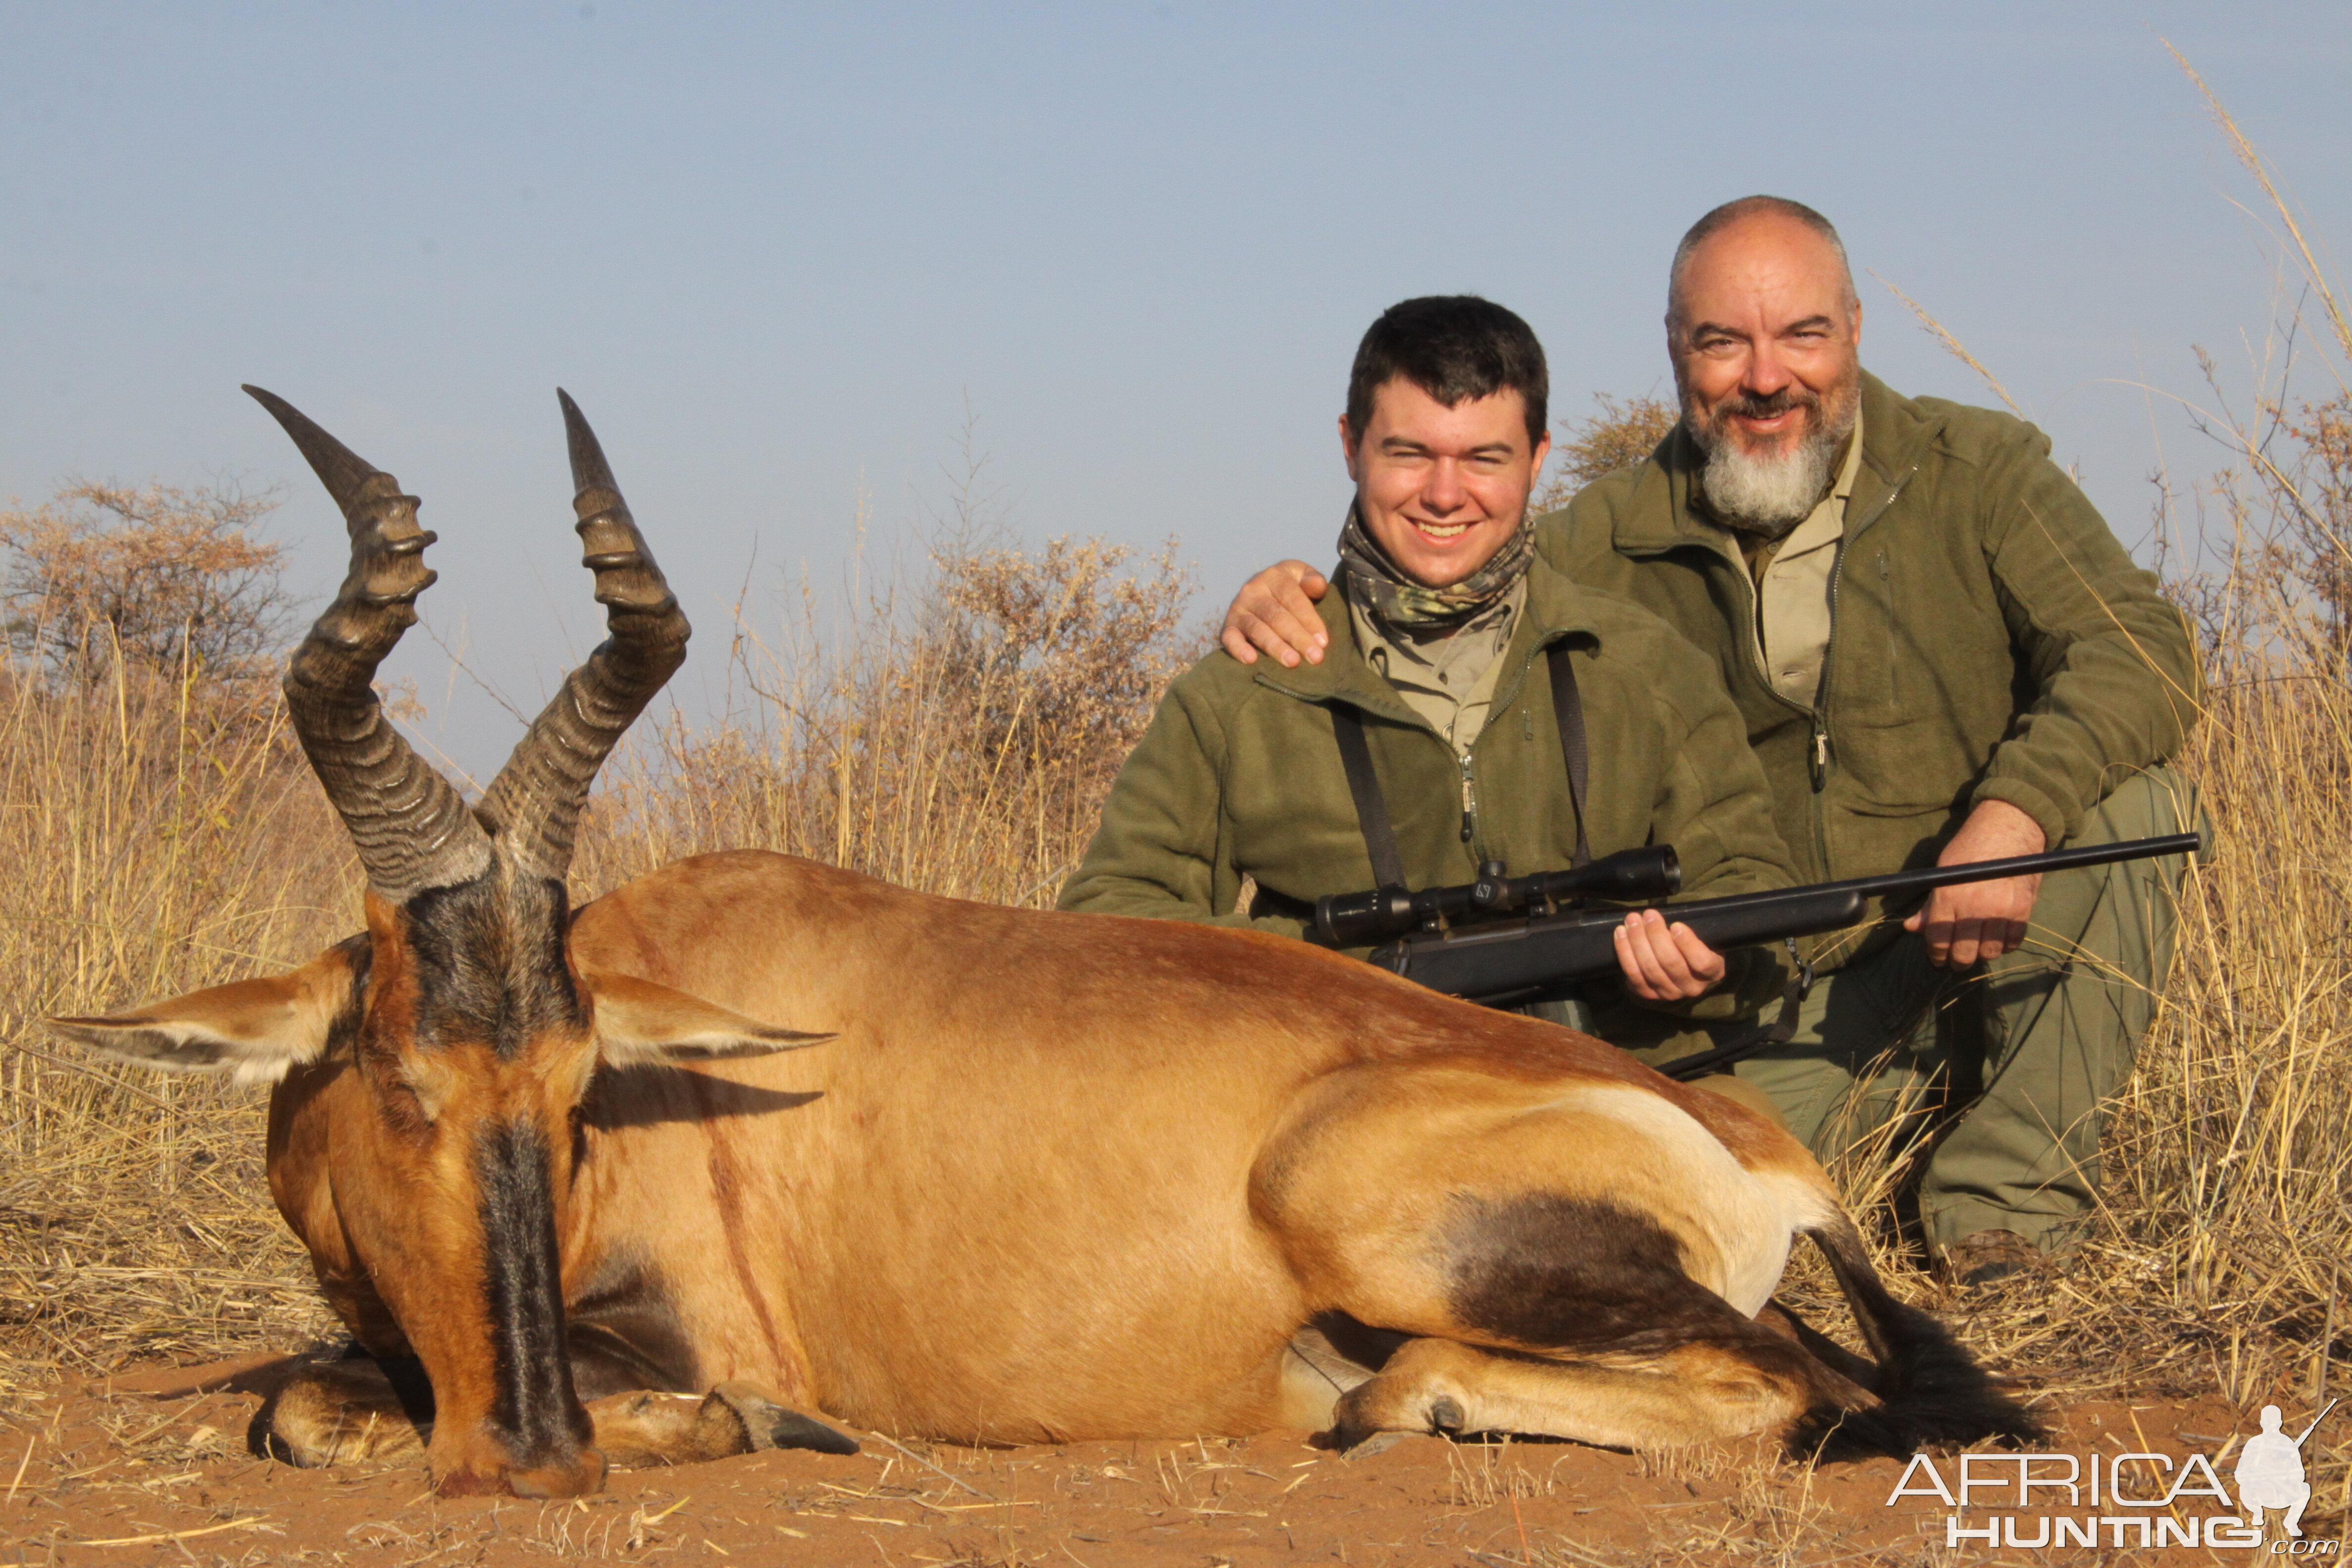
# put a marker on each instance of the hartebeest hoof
(640, 1430)
(769, 1425)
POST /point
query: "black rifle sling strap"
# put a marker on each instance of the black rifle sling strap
(1760, 1036)
(1371, 806)
(1568, 709)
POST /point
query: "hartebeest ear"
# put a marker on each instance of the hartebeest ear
(639, 1021)
(253, 1030)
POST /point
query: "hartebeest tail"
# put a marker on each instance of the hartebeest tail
(1932, 1394)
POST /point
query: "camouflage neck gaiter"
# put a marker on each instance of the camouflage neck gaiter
(1401, 602)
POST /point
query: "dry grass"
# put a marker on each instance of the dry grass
(958, 738)
(161, 835)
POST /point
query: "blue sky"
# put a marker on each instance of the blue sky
(778, 252)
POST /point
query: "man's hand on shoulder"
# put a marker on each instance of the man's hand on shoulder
(1275, 612)
(1983, 920)
(1665, 962)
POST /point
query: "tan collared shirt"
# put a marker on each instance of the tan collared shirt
(1792, 587)
(1449, 680)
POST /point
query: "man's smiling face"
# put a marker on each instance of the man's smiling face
(1442, 489)
(1765, 333)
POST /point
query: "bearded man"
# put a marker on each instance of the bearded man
(1941, 654)
(1458, 658)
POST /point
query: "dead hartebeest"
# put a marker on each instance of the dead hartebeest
(1046, 1177)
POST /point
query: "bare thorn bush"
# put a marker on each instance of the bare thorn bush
(1620, 435)
(162, 577)
(955, 736)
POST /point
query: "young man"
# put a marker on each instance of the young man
(1942, 655)
(1442, 637)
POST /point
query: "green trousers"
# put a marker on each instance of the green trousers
(2005, 1065)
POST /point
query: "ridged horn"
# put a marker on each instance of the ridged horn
(412, 828)
(534, 804)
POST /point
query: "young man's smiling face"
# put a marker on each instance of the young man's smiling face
(1442, 489)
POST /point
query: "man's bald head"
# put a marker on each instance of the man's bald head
(1754, 213)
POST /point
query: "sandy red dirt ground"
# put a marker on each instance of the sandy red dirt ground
(152, 1467)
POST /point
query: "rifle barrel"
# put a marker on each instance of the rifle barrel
(1934, 876)
(1506, 962)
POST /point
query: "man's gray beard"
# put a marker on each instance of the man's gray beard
(1769, 496)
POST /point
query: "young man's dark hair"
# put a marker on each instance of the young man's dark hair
(1455, 347)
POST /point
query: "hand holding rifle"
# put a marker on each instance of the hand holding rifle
(1665, 962)
(1983, 920)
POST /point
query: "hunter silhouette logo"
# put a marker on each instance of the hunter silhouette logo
(2269, 1471)
(2144, 1500)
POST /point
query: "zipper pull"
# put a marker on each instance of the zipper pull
(1469, 800)
(1821, 757)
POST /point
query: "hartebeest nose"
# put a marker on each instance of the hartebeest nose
(580, 1474)
(584, 1475)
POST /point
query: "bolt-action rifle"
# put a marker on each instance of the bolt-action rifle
(1504, 940)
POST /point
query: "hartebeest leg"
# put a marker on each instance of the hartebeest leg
(341, 1413)
(639, 1430)
(1694, 1392)
(1565, 1258)
(352, 1413)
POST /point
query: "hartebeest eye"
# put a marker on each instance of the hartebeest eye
(428, 1080)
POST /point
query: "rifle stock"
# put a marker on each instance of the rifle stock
(1504, 963)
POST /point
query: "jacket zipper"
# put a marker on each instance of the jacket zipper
(1504, 695)
(1819, 759)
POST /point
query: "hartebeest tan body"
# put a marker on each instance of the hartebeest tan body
(1039, 1177)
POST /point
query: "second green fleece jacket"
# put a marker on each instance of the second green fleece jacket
(1990, 639)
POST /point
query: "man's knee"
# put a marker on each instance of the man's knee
(2148, 803)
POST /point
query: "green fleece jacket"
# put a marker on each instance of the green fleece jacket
(1990, 637)
(1239, 775)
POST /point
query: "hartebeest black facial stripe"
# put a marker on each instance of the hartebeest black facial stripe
(533, 1405)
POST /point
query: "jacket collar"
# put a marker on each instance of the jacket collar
(1896, 433)
(1556, 608)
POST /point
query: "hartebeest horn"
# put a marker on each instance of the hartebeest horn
(534, 804)
(412, 828)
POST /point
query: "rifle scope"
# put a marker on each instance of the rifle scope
(1630, 875)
